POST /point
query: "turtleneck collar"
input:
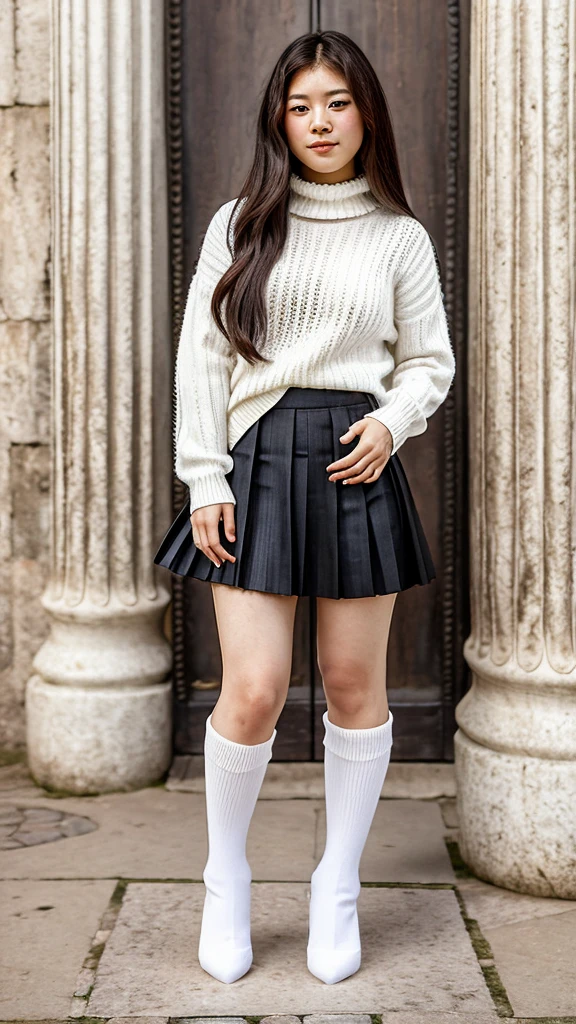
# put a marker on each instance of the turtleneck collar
(324, 201)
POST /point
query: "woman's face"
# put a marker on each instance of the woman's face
(320, 108)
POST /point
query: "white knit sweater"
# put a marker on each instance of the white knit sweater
(354, 302)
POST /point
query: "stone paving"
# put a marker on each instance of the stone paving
(415, 956)
(101, 919)
(32, 826)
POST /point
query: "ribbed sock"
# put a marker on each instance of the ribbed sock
(355, 766)
(234, 775)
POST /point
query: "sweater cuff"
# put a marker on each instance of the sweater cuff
(210, 490)
(402, 416)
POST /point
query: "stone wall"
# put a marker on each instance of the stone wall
(24, 349)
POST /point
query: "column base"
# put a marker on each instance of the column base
(88, 740)
(517, 819)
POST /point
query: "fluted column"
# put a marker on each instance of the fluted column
(98, 709)
(516, 742)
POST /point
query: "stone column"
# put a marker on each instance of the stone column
(98, 709)
(516, 742)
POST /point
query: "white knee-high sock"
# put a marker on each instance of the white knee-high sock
(355, 766)
(234, 775)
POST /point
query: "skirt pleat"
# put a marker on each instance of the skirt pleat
(322, 520)
(298, 533)
(299, 502)
(270, 508)
(353, 535)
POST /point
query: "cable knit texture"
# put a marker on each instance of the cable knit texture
(355, 301)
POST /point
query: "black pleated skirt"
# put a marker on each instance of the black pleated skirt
(298, 532)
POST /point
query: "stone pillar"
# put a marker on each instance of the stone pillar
(98, 709)
(516, 742)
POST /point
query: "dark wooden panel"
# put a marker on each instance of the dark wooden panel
(228, 53)
(219, 59)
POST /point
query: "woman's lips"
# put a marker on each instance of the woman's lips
(323, 148)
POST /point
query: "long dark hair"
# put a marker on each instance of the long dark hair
(259, 217)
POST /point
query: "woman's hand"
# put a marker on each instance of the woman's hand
(205, 532)
(367, 460)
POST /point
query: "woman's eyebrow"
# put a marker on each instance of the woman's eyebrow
(304, 96)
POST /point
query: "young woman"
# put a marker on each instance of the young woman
(314, 342)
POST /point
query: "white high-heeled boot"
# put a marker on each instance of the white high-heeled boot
(355, 766)
(234, 775)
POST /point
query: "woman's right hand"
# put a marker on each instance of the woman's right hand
(205, 532)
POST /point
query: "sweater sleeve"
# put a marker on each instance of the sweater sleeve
(204, 364)
(423, 355)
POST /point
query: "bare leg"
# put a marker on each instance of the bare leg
(255, 631)
(352, 648)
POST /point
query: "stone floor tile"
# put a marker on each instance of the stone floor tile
(46, 929)
(405, 844)
(535, 960)
(154, 834)
(417, 957)
(203, 1020)
(33, 826)
(405, 1018)
(338, 1018)
(42, 814)
(278, 1018)
(148, 1020)
(10, 816)
(492, 906)
(445, 1018)
(38, 837)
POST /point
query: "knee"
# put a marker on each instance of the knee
(348, 686)
(261, 697)
(256, 700)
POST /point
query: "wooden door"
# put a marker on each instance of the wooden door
(219, 59)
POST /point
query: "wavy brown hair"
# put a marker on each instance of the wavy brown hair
(259, 217)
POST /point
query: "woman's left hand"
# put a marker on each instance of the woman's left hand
(365, 463)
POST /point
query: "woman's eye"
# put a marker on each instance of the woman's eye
(302, 107)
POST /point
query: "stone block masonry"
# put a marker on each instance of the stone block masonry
(24, 349)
